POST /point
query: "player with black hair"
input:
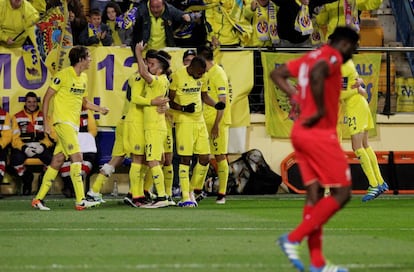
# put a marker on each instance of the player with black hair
(314, 136)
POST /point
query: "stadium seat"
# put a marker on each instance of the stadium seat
(371, 32)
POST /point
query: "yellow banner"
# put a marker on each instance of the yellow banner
(405, 94)
(107, 80)
(239, 69)
(277, 120)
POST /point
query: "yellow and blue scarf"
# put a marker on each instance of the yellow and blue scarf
(303, 22)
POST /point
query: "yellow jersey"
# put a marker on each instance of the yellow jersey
(349, 77)
(158, 87)
(217, 85)
(135, 110)
(70, 91)
(188, 90)
(157, 36)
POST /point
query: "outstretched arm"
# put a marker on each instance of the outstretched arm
(91, 106)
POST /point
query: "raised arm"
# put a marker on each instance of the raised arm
(142, 67)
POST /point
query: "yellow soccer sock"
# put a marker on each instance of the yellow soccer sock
(374, 163)
(99, 182)
(366, 166)
(147, 177)
(136, 183)
(158, 178)
(76, 176)
(184, 181)
(223, 176)
(168, 178)
(199, 176)
(47, 180)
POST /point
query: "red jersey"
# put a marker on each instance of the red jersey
(301, 68)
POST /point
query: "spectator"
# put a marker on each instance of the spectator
(39, 5)
(87, 133)
(17, 18)
(29, 140)
(344, 12)
(77, 19)
(125, 4)
(155, 23)
(5, 139)
(262, 15)
(226, 23)
(98, 4)
(120, 36)
(190, 34)
(286, 17)
(96, 33)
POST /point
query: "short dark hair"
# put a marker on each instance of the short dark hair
(198, 61)
(30, 94)
(95, 12)
(206, 52)
(344, 33)
(77, 53)
(189, 52)
(164, 58)
(151, 54)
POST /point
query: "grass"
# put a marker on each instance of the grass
(239, 236)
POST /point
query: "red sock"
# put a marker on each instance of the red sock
(320, 214)
(314, 242)
(315, 248)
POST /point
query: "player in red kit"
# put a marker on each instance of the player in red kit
(319, 155)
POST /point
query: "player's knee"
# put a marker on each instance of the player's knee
(204, 159)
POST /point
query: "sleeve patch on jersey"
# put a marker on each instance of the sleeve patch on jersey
(333, 60)
(56, 81)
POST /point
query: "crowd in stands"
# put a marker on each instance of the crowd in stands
(161, 23)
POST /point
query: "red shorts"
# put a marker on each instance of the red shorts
(321, 158)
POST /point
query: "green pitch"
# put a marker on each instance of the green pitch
(239, 236)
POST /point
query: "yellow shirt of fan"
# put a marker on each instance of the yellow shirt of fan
(157, 36)
(217, 85)
(188, 90)
(70, 91)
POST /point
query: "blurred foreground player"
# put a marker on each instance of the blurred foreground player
(322, 163)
